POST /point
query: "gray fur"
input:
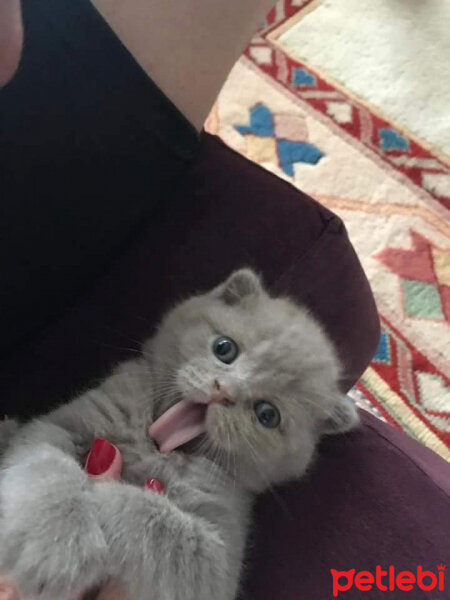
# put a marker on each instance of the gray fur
(60, 533)
(8, 429)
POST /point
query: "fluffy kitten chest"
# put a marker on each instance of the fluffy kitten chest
(140, 460)
(143, 462)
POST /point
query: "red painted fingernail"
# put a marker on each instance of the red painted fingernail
(101, 457)
(155, 485)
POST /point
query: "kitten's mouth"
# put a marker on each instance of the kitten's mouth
(180, 424)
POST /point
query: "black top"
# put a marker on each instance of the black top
(88, 146)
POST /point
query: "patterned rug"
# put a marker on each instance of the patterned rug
(368, 140)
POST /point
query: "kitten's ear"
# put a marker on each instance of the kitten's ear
(344, 418)
(240, 285)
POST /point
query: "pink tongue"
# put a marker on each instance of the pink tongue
(180, 424)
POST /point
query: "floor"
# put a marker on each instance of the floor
(348, 100)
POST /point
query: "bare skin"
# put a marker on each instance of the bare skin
(189, 47)
(11, 39)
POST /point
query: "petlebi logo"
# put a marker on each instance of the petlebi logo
(388, 579)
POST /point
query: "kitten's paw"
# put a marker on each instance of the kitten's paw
(53, 548)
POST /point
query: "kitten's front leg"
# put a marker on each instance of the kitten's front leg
(161, 552)
(51, 544)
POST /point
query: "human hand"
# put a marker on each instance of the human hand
(103, 463)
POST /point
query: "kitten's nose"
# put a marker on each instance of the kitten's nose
(220, 395)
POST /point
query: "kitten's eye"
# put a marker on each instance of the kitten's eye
(225, 349)
(268, 414)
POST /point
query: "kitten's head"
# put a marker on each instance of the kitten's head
(255, 376)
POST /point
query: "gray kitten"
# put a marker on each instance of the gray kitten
(241, 385)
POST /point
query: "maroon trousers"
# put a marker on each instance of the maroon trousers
(374, 497)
